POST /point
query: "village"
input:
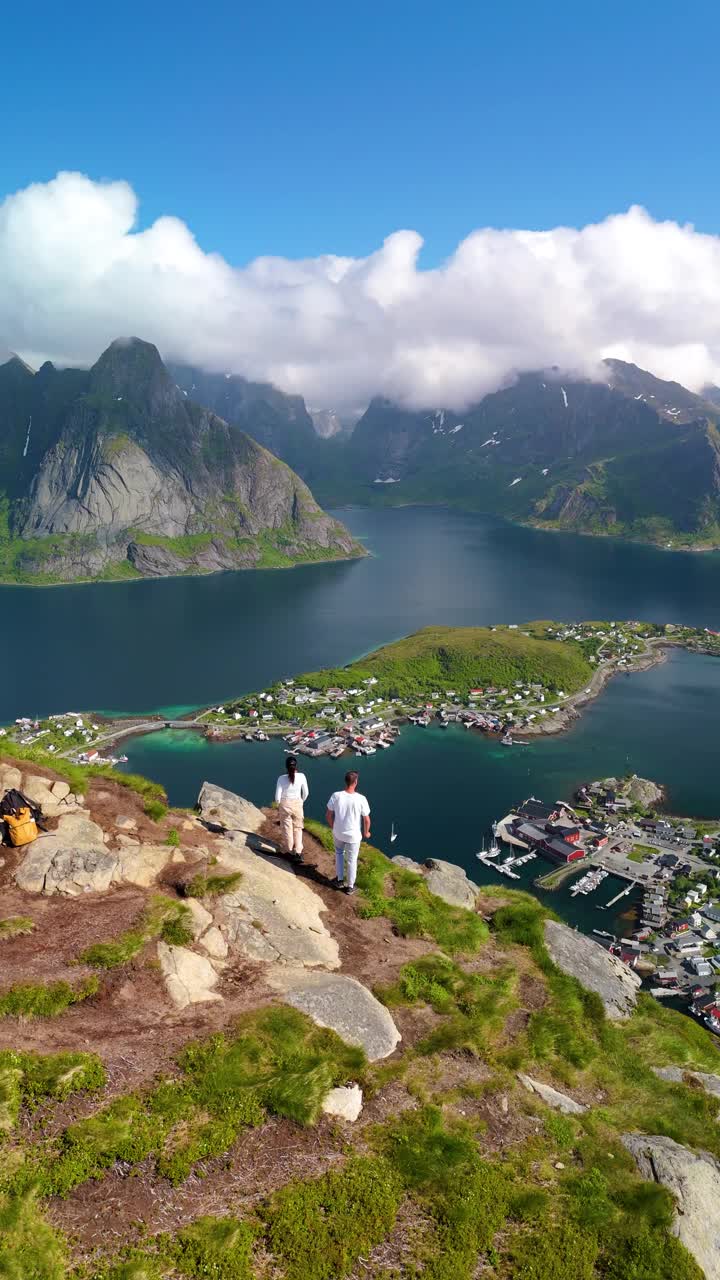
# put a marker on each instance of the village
(613, 830)
(320, 718)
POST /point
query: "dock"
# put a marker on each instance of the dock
(622, 894)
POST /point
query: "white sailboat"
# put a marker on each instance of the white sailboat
(494, 847)
(393, 833)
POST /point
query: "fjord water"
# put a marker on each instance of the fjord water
(443, 787)
(179, 643)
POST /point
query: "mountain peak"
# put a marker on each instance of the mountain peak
(130, 365)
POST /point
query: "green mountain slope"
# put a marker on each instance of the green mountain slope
(634, 456)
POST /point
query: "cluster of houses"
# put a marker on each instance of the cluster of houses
(555, 832)
(68, 729)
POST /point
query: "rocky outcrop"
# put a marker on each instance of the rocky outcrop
(221, 808)
(445, 879)
(189, 978)
(134, 477)
(678, 1075)
(347, 1007)
(581, 958)
(450, 882)
(75, 858)
(552, 1097)
(643, 792)
(694, 1180)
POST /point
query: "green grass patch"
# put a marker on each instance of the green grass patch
(403, 897)
(43, 1000)
(474, 1006)
(462, 658)
(27, 1079)
(317, 1230)
(163, 918)
(468, 1198)
(173, 838)
(276, 1061)
(15, 927)
(209, 886)
(29, 1248)
(216, 1248)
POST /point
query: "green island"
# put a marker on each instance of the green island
(209, 1127)
(531, 678)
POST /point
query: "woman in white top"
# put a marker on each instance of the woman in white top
(291, 792)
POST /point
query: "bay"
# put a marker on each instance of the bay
(173, 644)
(442, 788)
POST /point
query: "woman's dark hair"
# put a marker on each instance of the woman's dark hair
(291, 766)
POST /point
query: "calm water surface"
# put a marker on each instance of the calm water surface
(443, 787)
(186, 642)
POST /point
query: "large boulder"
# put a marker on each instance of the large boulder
(449, 882)
(221, 808)
(189, 978)
(71, 860)
(598, 971)
(272, 915)
(552, 1097)
(678, 1075)
(345, 1005)
(10, 778)
(694, 1180)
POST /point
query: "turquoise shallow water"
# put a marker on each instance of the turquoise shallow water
(443, 787)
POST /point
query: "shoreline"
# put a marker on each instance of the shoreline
(562, 722)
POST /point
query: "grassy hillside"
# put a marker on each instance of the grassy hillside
(440, 658)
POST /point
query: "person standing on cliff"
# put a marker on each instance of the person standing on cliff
(348, 816)
(291, 792)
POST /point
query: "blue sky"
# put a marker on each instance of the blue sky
(301, 129)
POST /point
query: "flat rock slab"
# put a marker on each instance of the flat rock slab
(450, 882)
(591, 964)
(677, 1075)
(189, 978)
(694, 1180)
(347, 1007)
(225, 809)
(553, 1097)
(273, 915)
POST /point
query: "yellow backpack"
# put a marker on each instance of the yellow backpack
(21, 827)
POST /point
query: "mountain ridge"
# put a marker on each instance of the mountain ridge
(118, 474)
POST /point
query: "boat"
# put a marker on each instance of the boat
(603, 933)
(506, 741)
(393, 833)
(494, 849)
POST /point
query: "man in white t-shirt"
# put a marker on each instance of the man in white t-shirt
(348, 815)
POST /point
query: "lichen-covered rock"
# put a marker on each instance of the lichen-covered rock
(273, 916)
(552, 1097)
(678, 1075)
(347, 1007)
(693, 1177)
(225, 809)
(189, 978)
(594, 968)
(449, 882)
(71, 860)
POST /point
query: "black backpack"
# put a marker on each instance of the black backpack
(13, 801)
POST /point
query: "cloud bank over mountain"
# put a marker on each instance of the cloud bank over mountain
(75, 273)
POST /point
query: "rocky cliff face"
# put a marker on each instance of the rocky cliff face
(137, 479)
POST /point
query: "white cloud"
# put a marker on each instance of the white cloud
(74, 274)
